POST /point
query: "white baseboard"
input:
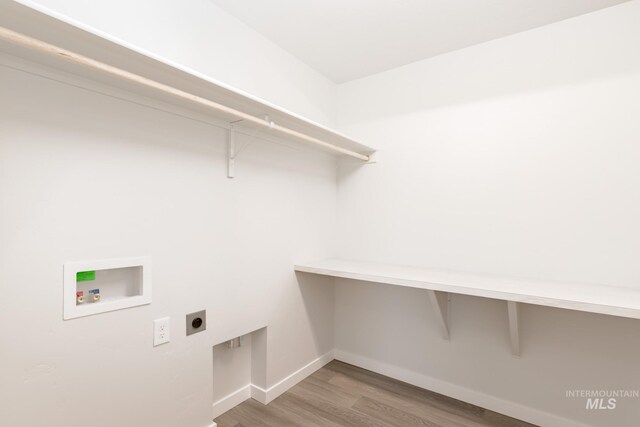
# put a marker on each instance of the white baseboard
(474, 397)
(265, 396)
(231, 400)
(259, 394)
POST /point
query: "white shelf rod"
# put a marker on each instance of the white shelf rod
(67, 55)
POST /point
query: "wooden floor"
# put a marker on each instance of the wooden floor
(344, 395)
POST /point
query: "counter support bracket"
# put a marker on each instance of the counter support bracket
(514, 327)
(441, 303)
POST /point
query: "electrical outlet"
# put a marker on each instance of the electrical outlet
(196, 322)
(161, 331)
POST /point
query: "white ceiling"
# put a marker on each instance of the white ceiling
(348, 39)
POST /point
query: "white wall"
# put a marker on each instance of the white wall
(518, 156)
(84, 175)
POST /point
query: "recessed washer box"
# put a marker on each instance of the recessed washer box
(118, 283)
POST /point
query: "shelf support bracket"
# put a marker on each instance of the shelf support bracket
(231, 151)
(514, 327)
(441, 302)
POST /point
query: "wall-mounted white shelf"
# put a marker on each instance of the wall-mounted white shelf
(111, 61)
(611, 300)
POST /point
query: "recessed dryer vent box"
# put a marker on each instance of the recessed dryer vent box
(92, 287)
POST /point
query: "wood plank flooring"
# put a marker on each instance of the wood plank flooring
(342, 395)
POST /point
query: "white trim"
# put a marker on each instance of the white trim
(213, 425)
(265, 396)
(231, 400)
(71, 310)
(259, 394)
(474, 397)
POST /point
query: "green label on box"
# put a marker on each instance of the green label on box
(85, 276)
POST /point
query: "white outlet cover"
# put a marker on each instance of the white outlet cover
(161, 331)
